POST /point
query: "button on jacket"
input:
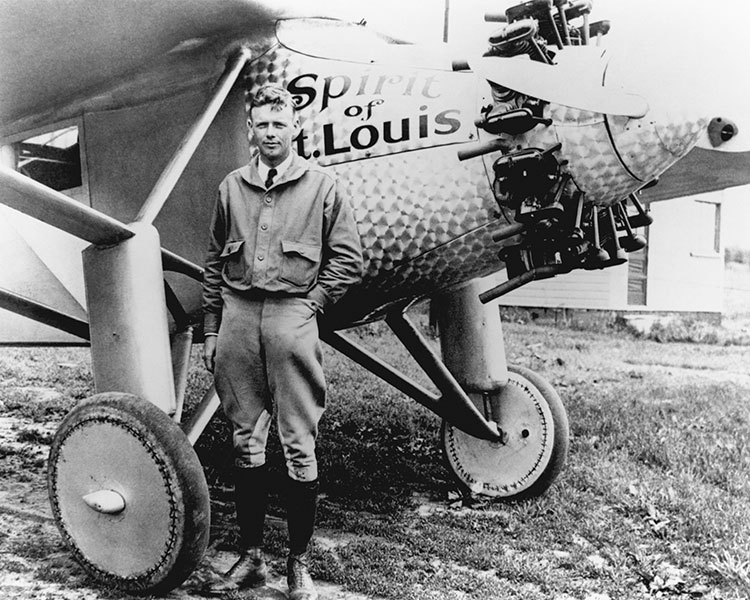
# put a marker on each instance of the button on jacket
(297, 238)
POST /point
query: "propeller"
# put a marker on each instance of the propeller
(566, 83)
(700, 80)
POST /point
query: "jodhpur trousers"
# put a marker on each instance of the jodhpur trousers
(269, 360)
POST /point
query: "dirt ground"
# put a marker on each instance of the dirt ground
(35, 565)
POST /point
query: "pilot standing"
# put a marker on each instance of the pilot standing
(283, 249)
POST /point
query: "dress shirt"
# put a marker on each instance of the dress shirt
(263, 168)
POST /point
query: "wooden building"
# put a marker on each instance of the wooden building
(681, 269)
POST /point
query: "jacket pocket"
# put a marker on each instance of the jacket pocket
(234, 261)
(299, 263)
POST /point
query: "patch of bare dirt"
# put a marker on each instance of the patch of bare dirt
(34, 563)
(683, 373)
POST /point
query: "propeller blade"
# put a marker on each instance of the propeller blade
(567, 83)
(720, 101)
(707, 80)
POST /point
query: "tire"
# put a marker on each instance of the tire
(120, 443)
(535, 447)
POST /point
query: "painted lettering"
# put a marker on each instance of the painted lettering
(379, 86)
(341, 139)
(452, 124)
(388, 136)
(370, 105)
(329, 147)
(303, 96)
(423, 131)
(363, 84)
(309, 87)
(410, 86)
(300, 141)
(426, 89)
(329, 94)
(372, 132)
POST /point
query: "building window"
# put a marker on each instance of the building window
(707, 235)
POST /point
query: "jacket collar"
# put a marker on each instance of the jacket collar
(295, 171)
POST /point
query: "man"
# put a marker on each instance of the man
(283, 249)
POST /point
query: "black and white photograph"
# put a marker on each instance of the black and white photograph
(374, 300)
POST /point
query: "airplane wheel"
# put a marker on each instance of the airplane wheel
(534, 450)
(128, 494)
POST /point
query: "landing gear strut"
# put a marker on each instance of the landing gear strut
(127, 490)
(505, 431)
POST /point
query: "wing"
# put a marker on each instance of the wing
(127, 78)
(702, 171)
(58, 58)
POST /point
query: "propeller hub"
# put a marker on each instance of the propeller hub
(721, 130)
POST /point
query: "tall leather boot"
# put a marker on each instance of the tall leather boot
(302, 503)
(251, 500)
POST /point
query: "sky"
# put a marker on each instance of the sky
(698, 46)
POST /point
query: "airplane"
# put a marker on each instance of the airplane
(529, 158)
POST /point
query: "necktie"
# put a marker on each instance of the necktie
(271, 175)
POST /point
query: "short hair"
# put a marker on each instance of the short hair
(275, 96)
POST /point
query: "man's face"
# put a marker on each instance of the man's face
(273, 130)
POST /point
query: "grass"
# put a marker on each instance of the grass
(654, 502)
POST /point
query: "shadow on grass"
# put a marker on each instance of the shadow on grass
(373, 455)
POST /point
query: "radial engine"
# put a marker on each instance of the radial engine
(568, 178)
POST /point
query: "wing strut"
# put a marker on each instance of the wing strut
(43, 314)
(171, 174)
(55, 208)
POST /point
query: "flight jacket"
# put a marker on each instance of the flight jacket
(297, 238)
